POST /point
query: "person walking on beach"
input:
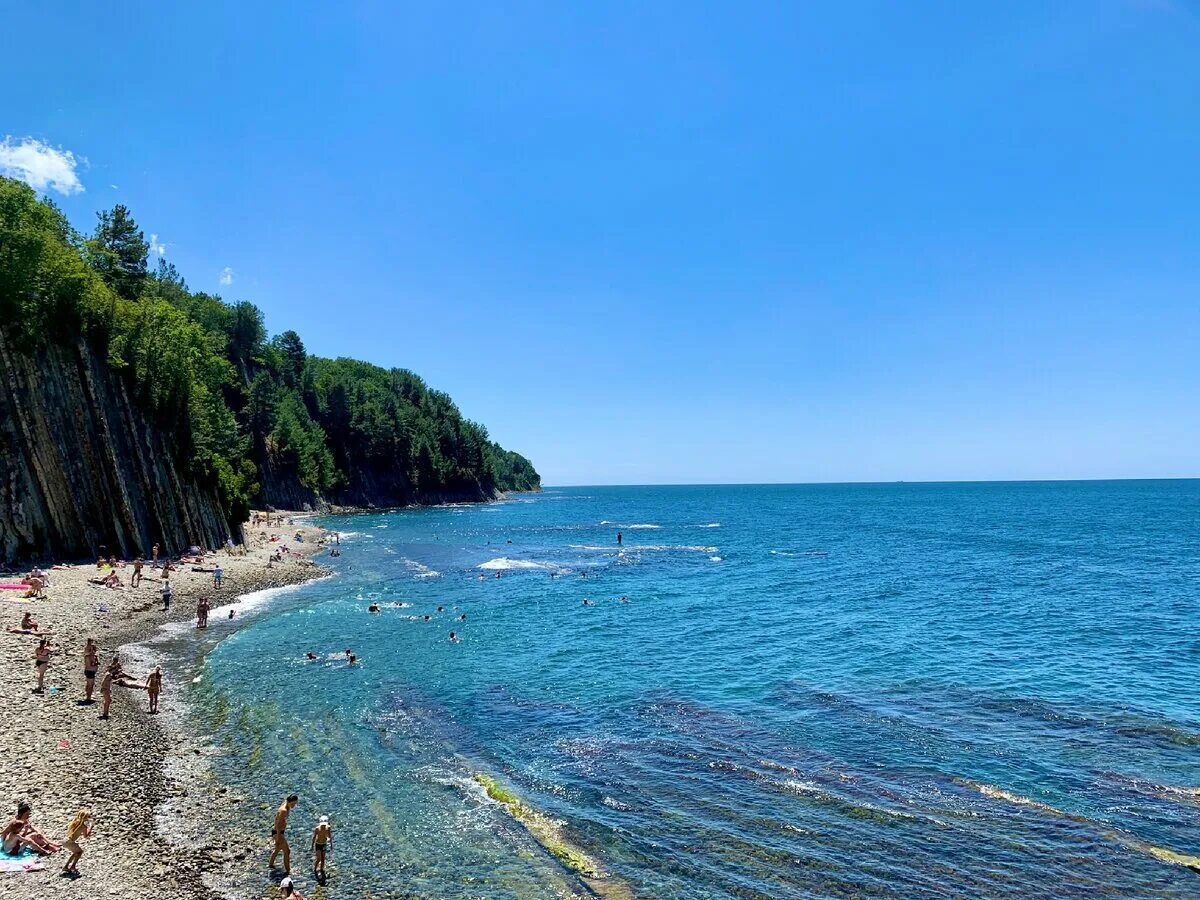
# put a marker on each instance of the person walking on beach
(218, 574)
(154, 687)
(202, 613)
(279, 834)
(322, 843)
(41, 662)
(112, 674)
(166, 596)
(80, 827)
(136, 578)
(91, 665)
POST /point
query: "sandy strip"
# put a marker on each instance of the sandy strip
(60, 756)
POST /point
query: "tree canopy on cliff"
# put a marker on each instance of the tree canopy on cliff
(247, 411)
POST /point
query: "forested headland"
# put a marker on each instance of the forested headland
(248, 418)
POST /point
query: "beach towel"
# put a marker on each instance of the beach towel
(27, 861)
(14, 587)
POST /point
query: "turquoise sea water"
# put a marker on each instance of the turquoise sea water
(835, 690)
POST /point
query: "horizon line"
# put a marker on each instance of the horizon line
(896, 481)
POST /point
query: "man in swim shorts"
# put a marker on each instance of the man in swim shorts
(91, 665)
(279, 834)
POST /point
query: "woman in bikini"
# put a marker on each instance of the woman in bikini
(154, 687)
(41, 662)
(91, 665)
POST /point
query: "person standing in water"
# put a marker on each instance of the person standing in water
(279, 834)
(620, 538)
(202, 613)
(154, 687)
(91, 665)
(322, 843)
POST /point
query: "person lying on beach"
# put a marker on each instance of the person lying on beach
(154, 687)
(41, 662)
(91, 665)
(288, 889)
(20, 833)
(279, 834)
(80, 827)
(322, 844)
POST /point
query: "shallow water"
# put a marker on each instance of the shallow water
(975, 689)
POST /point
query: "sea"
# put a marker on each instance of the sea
(895, 690)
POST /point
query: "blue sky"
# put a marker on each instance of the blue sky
(680, 242)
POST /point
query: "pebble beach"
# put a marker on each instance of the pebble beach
(60, 756)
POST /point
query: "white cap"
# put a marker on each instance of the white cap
(287, 882)
(324, 820)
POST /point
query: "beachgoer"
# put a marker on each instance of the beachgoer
(587, 602)
(166, 596)
(91, 665)
(41, 662)
(441, 609)
(310, 655)
(80, 827)
(218, 574)
(154, 556)
(279, 834)
(136, 578)
(231, 614)
(453, 638)
(202, 613)
(154, 687)
(463, 617)
(620, 538)
(374, 608)
(288, 890)
(322, 844)
(20, 833)
(427, 618)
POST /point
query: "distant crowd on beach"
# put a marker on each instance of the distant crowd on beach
(21, 835)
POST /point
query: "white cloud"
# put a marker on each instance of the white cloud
(156, 247)
(226, 276)
(39, 165)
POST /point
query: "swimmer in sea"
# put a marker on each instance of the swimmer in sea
(353, 660)
(310, 655)
(427, 618)
(620, 538)
(623, 600)
(463, 617)
(453, 638)
(374, 608)
(587, 602)
(441, 609)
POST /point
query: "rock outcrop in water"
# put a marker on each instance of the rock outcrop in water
(81, 467)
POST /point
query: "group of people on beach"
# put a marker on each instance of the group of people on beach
(320, 845)
(20, 834)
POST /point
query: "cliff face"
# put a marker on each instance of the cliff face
(81, 467)
(366, 487)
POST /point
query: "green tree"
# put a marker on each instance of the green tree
(117, 251)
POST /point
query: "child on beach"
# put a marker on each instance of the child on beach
(288, 890)
(154, 687)
(80, 827)
(41, 662)
(166, 595)
(322, 843)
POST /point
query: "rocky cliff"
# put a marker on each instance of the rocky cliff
(81, 467)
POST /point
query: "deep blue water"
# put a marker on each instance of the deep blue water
(833, 690)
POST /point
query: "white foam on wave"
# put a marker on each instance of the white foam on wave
(712, 525)
(503, 562)
(382, 526)
(649, 548)
(342, 535)
(716, 558)
(420, 570)
(639, 525)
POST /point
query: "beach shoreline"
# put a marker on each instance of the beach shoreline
(161, 815)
